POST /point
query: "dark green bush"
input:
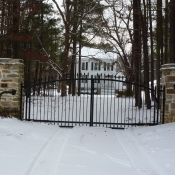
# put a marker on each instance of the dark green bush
(124, 93)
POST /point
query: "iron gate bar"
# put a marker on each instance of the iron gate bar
(163, 113)
(155, 104)
(73, 112)
(21, 102)
(158, 104)
(92, 102)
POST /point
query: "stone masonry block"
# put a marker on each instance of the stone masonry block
(170, 85)
(6, 79)
(15, 99)
(167, 118)
(6, 67)
(16, 61)
(6, 103)
(173, 112)
(5, 71)
(16, 80)
(162, 80)
(15, 104)
(13, 75)
(165, 73)
(169, 97)
(170, 91)
(13, 85)
(173, 106)
(168, 101)
(170, 78)
(167, 107)
(172, 72)
(16, 67)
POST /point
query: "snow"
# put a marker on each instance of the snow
(88, 53)
(76, 108)
(36, 148)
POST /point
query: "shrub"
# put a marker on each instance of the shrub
(124, 93)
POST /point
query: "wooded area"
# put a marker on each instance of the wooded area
(29, 31)
(140, 32)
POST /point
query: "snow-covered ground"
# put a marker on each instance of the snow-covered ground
(28, 148)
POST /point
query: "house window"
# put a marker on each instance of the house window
(86, 65)
(95, 66)
(104, 66)
(112, 68)
(108, 68)
(83, 66)
(92, 66)
(99, 66)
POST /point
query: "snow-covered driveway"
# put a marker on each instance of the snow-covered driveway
(40, 149)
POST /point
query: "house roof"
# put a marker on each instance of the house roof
(91, 53)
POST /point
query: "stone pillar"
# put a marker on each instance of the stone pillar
(11, 77)
(168, 80)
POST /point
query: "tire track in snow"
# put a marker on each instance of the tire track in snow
(142, 163)
(47, 160)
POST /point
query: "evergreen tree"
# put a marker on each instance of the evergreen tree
(29, 31)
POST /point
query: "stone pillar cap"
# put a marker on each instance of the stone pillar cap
(11, 61)
(168, 66)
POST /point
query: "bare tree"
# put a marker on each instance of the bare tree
(159, 39)
(117, 31)
(151, 47)
(136, 49)
(166, 24)
(72, 17)
(172, 31)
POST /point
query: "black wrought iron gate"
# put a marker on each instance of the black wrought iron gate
(98, 102)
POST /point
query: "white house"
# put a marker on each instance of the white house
(97, 64)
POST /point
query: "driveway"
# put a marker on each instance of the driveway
(93, 151)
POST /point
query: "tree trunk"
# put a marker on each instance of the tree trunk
(158, 38)
(79, 62)
(145, 54)
(74, 38)
(136, 48)
(172, 31)
(166, 60)
(2, 30)
(152, 51)
(15, 28)
(65, 58)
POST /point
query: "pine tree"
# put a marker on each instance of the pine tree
(29, 31)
